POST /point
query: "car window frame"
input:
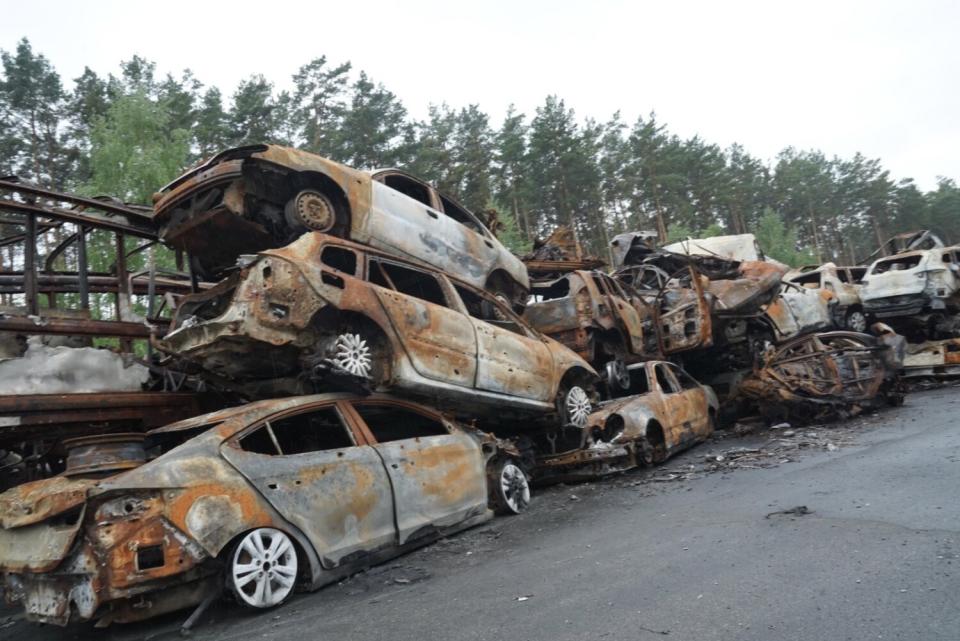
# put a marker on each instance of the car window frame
(437, 276)
(358, 437)
(677, 387)
(371, 439)
(529, 331)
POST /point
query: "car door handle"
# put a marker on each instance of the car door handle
(394, 465)
(488, 243)
(432, 213)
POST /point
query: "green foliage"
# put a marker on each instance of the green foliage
(778, 241)
(133, 152)
(682, 232)
(509, 232)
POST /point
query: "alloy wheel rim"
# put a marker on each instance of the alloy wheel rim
(264, 568)
(516, 489)
(858, 322)
(353, 354)
(578, 406)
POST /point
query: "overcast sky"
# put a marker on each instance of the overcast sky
(876, 77)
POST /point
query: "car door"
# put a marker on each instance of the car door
(698, 417)
(676, 407)
(319, 475)
(628, 316)
(439, 341)
(437, 471)
(511, 359)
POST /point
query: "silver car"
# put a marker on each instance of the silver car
(249, 199)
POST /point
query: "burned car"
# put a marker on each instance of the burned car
(605, 322)
(558, 254)
(259, 197)
(709, 308)
(264, 499)
(917, 291)
(665, 412)
(831, 374)
(323, 306)
(799, 310)
(843, 284)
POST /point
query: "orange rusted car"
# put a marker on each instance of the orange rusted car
(665, 412)
(259, 197)
(323, 306)
(264, 498)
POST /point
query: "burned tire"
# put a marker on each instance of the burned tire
(262, 569)
(856, 321)
(573, 404)
(509, 487)
(312, 210)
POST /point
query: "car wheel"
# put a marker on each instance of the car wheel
(311, 210)
(856, 321)
(263, 568)
(618, 376)
(352, 352)
(574, 405)
(510, 491)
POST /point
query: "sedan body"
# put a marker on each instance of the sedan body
(269, 496)
(323, 302)
(249, 199)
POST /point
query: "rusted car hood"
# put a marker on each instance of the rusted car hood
(39, 500)
(757, 284)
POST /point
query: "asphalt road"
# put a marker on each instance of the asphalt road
(696, 559)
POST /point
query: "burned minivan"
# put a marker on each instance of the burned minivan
(322, 309)
(261, 499)
(250, 199)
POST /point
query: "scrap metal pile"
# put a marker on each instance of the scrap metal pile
(405, 376)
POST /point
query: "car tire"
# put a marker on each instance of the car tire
(509, 487)
(311, 210)
(855, 321)
(573, 405)
(262, 569)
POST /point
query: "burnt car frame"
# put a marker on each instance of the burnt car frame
(843, 283)
(265, 498)
(827, 375)
(249, 199)
(918, 290)
(323, 301)
(605, 322)
(666, 411)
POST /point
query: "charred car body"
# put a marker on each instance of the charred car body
(843, 285)
(709, 308)
(265, 498)
(917, 291)
(827, 375)
(665, 412)
(323, 302)
(605, 322)
(250, 199)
